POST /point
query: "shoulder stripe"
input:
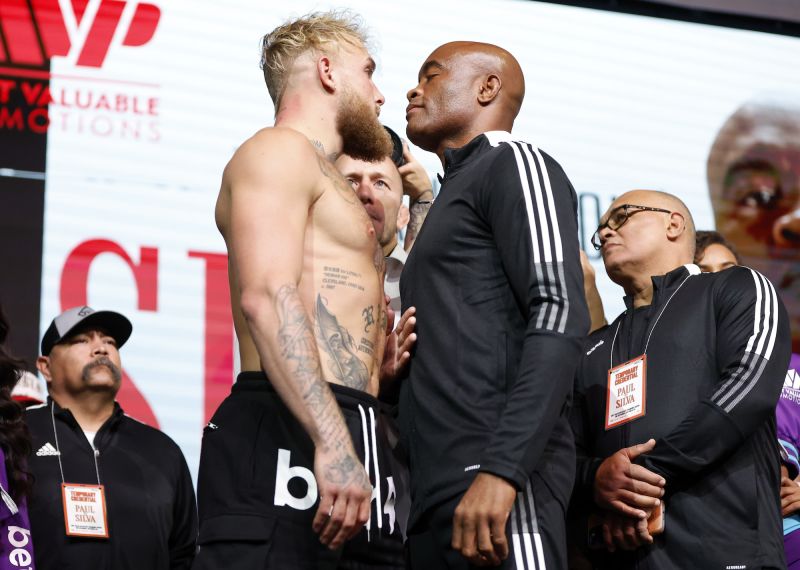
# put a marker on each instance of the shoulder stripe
(545, 235)
(758, 350)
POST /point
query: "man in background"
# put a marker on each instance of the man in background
(380, 186)
(109, 491)
(674, 403)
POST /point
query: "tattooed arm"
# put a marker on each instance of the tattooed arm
(271, 189)
(417, 186)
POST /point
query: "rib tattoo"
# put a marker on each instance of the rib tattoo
(339, 345)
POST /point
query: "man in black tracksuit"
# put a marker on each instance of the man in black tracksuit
(496, 280)
(717, 348)
(81, 437)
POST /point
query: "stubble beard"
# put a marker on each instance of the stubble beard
(363, 135)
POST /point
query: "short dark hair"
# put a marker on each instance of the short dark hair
(705, 238)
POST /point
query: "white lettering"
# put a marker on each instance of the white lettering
(14, 531)
(286, 473)
(20, 557)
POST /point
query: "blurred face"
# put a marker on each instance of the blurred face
(754, 183)
(379, 187)
(442, 103)
(716, 257)
(639, 235)
(360, 102)
(86, 361)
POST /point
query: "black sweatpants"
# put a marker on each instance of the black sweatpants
(535, 531)
(257, 495)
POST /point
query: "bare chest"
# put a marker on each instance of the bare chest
(338, 218)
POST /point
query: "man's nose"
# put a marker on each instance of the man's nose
(99, 347)
(786, 229)
(605, 233)
(413, 93)
(364, 193)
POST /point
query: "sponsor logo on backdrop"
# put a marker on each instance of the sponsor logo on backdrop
(86, 101)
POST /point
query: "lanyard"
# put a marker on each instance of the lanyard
(647, 343)
(58, 449)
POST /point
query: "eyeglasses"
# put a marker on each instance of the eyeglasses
(618, 217)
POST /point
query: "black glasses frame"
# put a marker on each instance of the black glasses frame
(597, 242)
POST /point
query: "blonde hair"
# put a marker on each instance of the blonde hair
(316, 31)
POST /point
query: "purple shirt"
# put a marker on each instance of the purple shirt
(787, 415)
(16, 546)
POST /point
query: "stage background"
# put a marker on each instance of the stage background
(142, 120)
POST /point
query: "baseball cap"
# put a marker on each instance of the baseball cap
(117, 326)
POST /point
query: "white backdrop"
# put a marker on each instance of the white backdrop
(620, 101)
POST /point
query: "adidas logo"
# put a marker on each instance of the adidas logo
(591, 350)
(46, 450)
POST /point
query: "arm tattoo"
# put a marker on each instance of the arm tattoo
(418, 212)
(379, 260)
(337, 342)
(299, 351)
(295, 337)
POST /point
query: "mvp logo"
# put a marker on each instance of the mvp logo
(82, 30)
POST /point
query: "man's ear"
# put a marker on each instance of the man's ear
(489, 88)
(676, 226)
(325, 73)
(43, 364)
(403, 217)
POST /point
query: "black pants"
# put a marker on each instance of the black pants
(535, 531)
(256, 490)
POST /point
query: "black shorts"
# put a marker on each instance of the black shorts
(256, 490)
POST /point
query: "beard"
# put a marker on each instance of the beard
(116, 373)
(363, 136)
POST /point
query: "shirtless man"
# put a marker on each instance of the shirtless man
(306, 280)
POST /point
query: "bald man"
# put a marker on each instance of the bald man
(674, 403)
(496, 278)
(754, 183)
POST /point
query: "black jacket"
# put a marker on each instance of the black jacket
(496, 279)
(715, 366)
(152, 515)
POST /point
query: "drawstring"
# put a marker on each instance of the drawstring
(377, 470)
(364, 432)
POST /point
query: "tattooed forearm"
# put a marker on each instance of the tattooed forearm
(418, 212)
(338, 344)
(299, 352)
(295, 337)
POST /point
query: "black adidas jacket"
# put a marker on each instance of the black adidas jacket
(715, 366)
(496, 279)
(152, 515)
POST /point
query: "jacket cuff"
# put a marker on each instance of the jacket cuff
(507, 471)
